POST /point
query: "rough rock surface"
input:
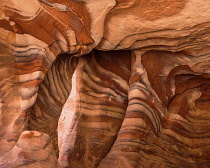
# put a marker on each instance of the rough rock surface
(115, 83)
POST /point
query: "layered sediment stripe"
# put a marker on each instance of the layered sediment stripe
(95, 109)
(52, 95)
(161, 25)
(188, 124)
(24, 62)
(31, 37)
(183, 133)
(144, 102)
(185, 128)
(62, 31)
(143, 118)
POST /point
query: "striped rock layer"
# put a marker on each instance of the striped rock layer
(144, 102)
(167, 118)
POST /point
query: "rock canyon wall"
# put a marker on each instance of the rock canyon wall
(104, 83)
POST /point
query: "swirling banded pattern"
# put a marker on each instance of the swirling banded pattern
(171, 118)
(97, 107)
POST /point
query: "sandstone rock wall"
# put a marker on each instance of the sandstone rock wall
(106, 83)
